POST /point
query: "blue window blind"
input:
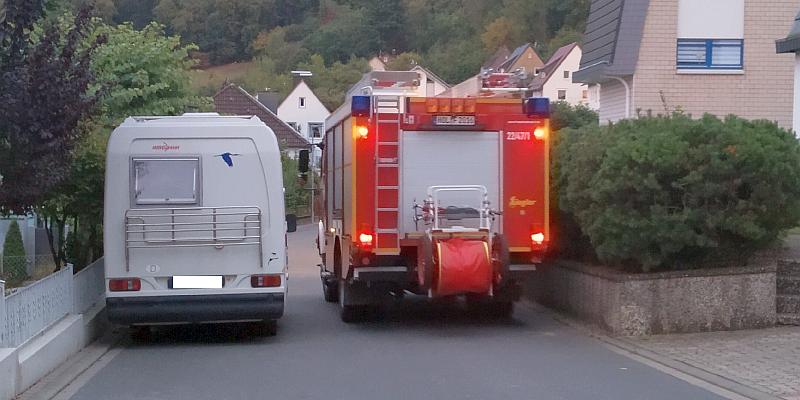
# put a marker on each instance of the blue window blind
(710, 53)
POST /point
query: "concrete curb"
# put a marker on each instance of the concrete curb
(54, 383)
(725, 387)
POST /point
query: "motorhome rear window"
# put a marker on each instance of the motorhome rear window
(166, 180)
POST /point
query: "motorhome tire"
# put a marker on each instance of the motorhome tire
(141, 333)
(330, 290)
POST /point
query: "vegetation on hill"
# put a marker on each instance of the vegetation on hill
(450, 37)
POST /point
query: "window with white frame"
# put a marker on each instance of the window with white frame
(562, 94)
(165, 181)
(566, 74)
(302, 102)
(315, 130)
(710, 35)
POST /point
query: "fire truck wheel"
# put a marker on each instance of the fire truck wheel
(425, 265)
(330, 290)
(500, 256)
(501, 309)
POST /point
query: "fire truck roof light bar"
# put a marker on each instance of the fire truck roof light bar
(537, 107)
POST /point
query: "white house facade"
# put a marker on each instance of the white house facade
(555, 78)
(303, 111)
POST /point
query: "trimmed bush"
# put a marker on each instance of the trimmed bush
(14, 260)
(672, 192)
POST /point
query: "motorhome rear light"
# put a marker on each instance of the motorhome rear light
(261, 281)
(539, 133)
(360, 106)
(365, 239)
(537, 107)
(537, 238)
(125, 285)
(362, 132)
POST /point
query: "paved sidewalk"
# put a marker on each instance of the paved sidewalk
(767, 359)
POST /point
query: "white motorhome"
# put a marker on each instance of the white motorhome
(194, 229)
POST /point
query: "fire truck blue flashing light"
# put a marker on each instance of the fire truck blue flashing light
(360, 106)
(537, 107)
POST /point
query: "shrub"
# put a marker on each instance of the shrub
(14, 259)
(566, 237)
(672, 192)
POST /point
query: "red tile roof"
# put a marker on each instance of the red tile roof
(233, 100)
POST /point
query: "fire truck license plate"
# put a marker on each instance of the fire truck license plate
(454, 120)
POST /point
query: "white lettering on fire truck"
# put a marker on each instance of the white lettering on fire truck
(518, 136)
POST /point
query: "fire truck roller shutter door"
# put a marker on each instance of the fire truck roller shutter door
(447, 158)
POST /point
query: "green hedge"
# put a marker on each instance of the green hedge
(673, 192)
(14, 260)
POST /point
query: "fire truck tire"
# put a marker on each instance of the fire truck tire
(330, 290)
(425, 265)
(500, 256)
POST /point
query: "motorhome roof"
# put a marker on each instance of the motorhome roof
(209, 119)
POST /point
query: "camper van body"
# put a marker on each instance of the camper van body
(194, 226)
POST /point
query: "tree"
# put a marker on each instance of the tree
(14, 262)
(497, 34)
(145, 73)
(348, 32)
(43, 98)
(404, 62)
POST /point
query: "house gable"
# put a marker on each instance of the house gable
(233, 100)
(302, 107)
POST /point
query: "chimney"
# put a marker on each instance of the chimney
(298, 76)
(268, 99)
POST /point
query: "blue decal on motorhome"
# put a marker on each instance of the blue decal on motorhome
(228, 158)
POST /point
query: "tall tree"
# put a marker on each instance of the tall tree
(43, 97)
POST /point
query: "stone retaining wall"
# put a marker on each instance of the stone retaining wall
(654, 303)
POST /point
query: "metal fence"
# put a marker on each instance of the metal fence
(32, 309)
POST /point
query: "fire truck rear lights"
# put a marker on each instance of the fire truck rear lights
(537, 107)
(360, 106)
(538, 238)
(362, 132)
(261, 281)
(365, 239)
(125, 285)
(539, 133)
(444, 105)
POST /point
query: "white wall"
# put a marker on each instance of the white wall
(711, 19)
(430, 86)
(557, 81)
(612, 101)
(314, 111)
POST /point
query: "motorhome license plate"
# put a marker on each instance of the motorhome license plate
(197, 282)
(454, 120)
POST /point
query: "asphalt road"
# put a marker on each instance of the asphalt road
(419, 351)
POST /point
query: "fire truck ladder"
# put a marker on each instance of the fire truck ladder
(387, 173)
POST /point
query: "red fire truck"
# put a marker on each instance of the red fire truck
(435, 196)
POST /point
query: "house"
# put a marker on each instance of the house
(791, 44)
(303, 111)
(554, 79)
(233, 100)
(710, 56)
(523, 57)
(497, 59)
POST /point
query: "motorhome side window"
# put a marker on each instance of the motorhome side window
(166, 181)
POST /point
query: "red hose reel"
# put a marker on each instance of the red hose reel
(455, 266)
